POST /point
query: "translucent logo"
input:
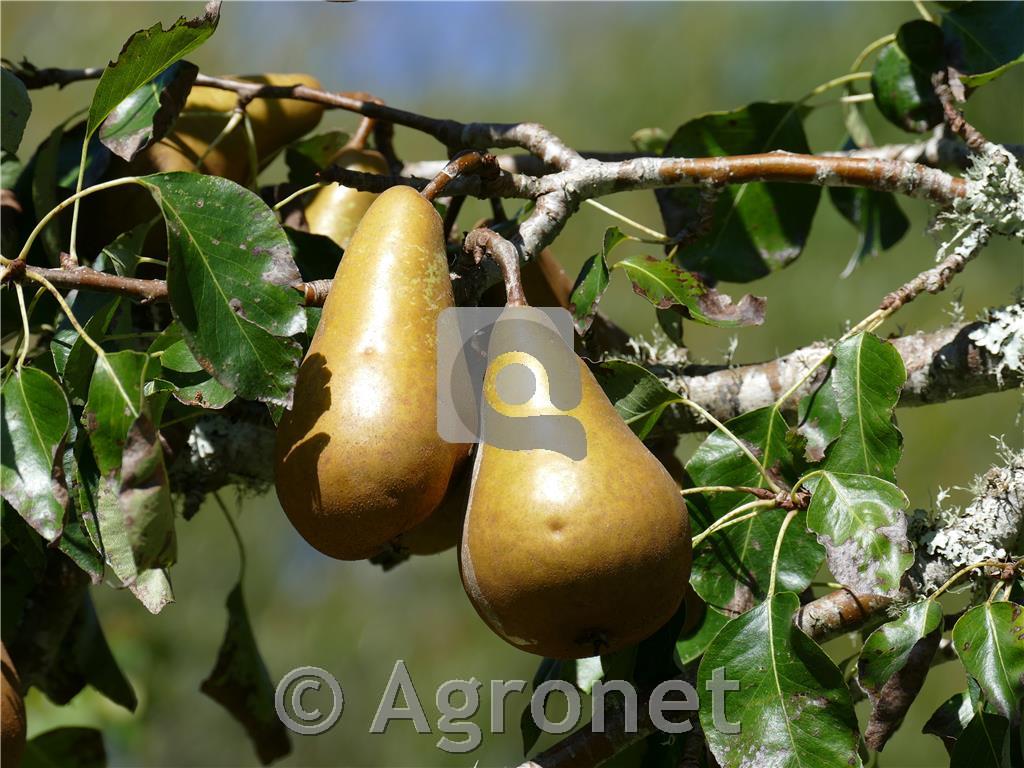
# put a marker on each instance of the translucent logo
(508, 377)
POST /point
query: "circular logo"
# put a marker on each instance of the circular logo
(308, 722)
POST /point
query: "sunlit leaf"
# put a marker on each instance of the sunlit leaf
(637, 394)
(35, 421)
(887, 649)
(989, 639)
(592, 281)
(309, 155)
(859, 519)
(229, 277)
(793, 707)
(868, 377)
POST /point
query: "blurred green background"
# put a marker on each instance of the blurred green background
(593, 73)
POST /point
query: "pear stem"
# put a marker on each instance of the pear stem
(486, 242)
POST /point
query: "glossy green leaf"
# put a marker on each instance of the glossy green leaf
(819, 420)
(316, 256)
(182, 374)
(887, 649)
(145, 55)
(989, 639)
(80, 747)
(952, 716)
(16, 107)
(229, 277)
(859, 520)
(311, 154)
(35, 420)
(902, 78)
(877, 218)
(637, 394)
(985, 39)
(592, 281)
(241, 684)
(671, 323)
(867, 378)
(666, 286)
(792, 708)
(983, 743)
(756, 228)
(115, 402)
(147, 114)
(731, 568)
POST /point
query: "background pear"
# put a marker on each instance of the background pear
(335, 210)
(569, 558)
(12, 722)
(359, 459)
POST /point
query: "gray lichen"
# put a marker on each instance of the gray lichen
(1003, 337)
(991, 527)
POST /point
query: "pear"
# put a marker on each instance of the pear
(567, 553)
(358, 456)
(275, 124)
(12, 722)
(336, 210)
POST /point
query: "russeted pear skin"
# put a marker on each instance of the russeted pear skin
(359, 459)
(335, 211)
(12, 722)
(572, 558)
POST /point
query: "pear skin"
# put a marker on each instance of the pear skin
(358, 457)
(568, 558)
(12, 723)
(336, 210)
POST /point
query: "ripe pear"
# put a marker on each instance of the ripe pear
(12, 716)
(568, 556)
(336, 210)
(275, 124)
(359, 459)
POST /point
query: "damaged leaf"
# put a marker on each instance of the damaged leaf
(148, 113)
(859, 519)
(819, 420)
(666, 286)
(795, 708)
(241, 684)
(229, 277)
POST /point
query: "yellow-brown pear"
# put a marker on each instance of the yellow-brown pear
(359, 459)
(562, 555)
(335, 210)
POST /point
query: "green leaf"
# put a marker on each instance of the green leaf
(888, 648)
(145, 55)
(124, 252)
(241, 684)
(16, 106)
(316, 256)
(592, 281)
(184, 377)
(671, 323)
(989, 639)
(229, 277)
(875, 215)
(793, 707)
(666, 286)
(732, 568)
(35, 420)
(44, 192)
(756, 228)
(867, 378)
(152, 588)
(859, 519)
(147, 113)
(309, 155)
(949, 720)
(819, 420)
(985, 39)
(115, 402)
(981, 743)
(637, 394)
(902, 78)
(73, 359)
(80, 747)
